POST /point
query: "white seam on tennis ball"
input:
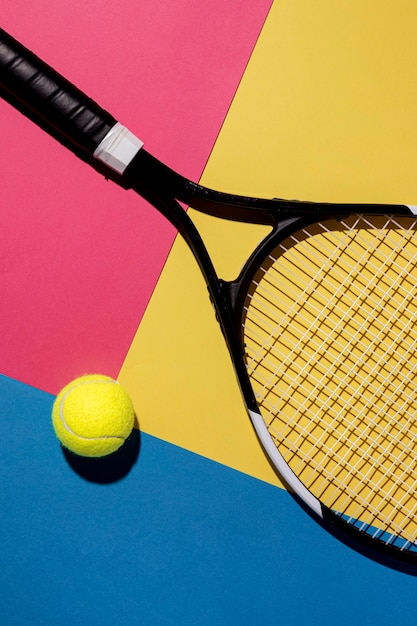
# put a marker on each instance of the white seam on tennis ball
(61, 409)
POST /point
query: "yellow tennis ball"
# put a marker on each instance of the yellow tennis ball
(93, 416)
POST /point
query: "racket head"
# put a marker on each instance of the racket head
(327, 313)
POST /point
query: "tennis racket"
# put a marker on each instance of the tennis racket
(320, 323)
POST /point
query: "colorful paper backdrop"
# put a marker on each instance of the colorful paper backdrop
(80, 258)
(325, 111)
(284, 98)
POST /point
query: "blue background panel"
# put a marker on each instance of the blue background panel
(176, 539)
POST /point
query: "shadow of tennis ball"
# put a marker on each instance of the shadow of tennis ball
(110, 468)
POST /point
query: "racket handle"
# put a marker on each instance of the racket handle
(66, 111)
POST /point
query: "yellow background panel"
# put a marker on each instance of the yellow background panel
(326, 110)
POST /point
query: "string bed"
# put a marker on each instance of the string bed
(330, 334)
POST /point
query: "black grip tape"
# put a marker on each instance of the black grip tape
(66, 110)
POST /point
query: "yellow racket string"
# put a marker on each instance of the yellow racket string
(330, 333)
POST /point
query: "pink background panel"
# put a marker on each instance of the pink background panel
(79, 258)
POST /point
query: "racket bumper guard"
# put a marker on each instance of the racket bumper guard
(118, 148)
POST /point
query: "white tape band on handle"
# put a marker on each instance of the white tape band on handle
(118, 148)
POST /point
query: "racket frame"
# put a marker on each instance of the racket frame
(78, 123)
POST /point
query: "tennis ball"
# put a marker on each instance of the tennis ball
(93, 416)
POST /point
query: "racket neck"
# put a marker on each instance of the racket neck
(149, 177)
(147, 173)
(157, 188)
